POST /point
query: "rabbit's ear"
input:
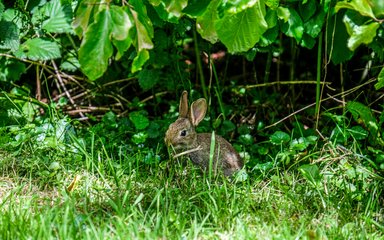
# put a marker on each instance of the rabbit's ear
(183, 107)
(198, 110)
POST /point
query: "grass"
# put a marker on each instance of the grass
(126, 199)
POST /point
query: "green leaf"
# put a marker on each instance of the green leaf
(11, 69)
(205, 24)
(380, 80)
(38, 49)
(299, 144)
(241, 31)
(308, 9)
(360, 34)
(362, 113)
(358, 133)
(294, 27)
(196, 8)
(310, 172)
(121, 26)
(83, 16)
(139, 120)
(139, 60)
(337, 37)
(9, 37)
(283, 13)
(314, 25)
(148, 78)
(279, 137)
(59, 17)
(361, 6)
(143, 30)
(96, 47)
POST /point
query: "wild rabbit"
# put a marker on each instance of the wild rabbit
(181, 135)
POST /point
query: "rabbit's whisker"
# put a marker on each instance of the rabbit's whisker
(198, 148)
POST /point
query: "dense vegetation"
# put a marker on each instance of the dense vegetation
(89, 87)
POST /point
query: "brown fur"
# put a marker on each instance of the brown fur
(225, 158)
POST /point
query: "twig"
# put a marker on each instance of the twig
(198, 148)
(283, 83)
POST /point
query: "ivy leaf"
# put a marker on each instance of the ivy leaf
(96, 47)
(314, 25)
(242, 30)
(139, 60)
(148, 78)
(308, 9)
(59, 17)
(380, 80)
(294, 27)
(361, 6)
(205, 23)
(39, 49)
(360, 34)
(279, 137)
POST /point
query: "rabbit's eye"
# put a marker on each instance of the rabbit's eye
(183, 133)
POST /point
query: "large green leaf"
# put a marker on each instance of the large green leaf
(120, 29)
(143, 31)
(96, 47)
(361, 6)
(337, 38)
(39, 49)
(196, 8)
(83, 16)
(314, 25)
(363, 34)
(380, 80)
(242, 30)
(294, 26)
(205, 24)
(59, 17)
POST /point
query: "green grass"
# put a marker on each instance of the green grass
(125, 199)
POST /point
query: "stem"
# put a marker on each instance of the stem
(199, 64)
(318, 80)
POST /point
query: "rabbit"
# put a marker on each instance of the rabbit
(181, 135)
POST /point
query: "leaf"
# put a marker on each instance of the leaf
(83, 16)
(283, 13)
(241, 31)
(9, 37)
(310, 172)
(314, 25)
(337, 38)
(294, 27)
(362, 113)
(205, 24)
(139, 120)
(59, 17)
(10, 69)
(363, 34)
(39, 49)
(96, 47)
(121, 26)
(196, 8)
(279, 137)
(358, 133)
(139, 60)
(361, 6)
(148, 78)
(143, 30)
(308, 9)
(380, 80)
